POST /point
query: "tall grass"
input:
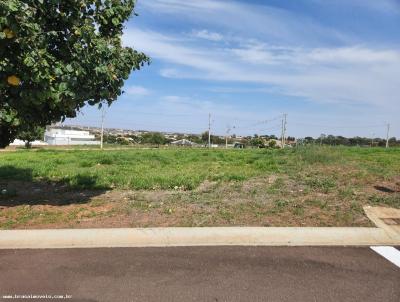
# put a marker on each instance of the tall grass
(184, 168)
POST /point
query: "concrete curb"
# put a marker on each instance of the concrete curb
(207, 236)
(378, 215)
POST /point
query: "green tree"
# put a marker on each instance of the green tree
(110, 139)
(257, 142)
(28, 135)
(204, 137)
(272, 143)
(122, 140)
(58, 56)
(214, 139)
(157, 139)
(154, 138)
(195, 139)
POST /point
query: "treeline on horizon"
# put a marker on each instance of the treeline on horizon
(157, 138)
(333, 140)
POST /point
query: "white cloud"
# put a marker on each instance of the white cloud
(187, 103)
(354, 74)
(353, 55)
(258, 53)
(170, 49)
(207, 35)
(264, 49)
(169, 73)
(269, 22)
(173, 6)
(136, 90)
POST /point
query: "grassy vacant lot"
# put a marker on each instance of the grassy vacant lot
(313, 186)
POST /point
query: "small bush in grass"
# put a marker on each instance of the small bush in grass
(320, 155)
(84, 181)
(281, 204)
(86, 164)
(298, 210)
(323, 184)
(106, 161)
(392, 201)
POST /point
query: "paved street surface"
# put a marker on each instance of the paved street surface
(202, 274)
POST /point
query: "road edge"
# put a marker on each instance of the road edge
(197, 236)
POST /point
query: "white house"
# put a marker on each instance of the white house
(19, 142)
(183, 142)
(56, 136)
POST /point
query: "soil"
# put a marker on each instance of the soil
(257, 202)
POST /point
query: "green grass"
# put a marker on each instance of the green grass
(307, 186)
(187, 168)
(135, 169)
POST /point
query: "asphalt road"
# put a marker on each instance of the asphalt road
(201, 274)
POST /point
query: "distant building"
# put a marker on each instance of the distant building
(170, 136)
(56, 136)
(238, 145)
(19, 142)
(183, 142)
(277, 144)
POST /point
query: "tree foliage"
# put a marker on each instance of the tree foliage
(57, 56)
(30, 134)
(333, 140)
(214, 138)
(257, 142)
(154, 138)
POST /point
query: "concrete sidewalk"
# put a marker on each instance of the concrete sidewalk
(387, 233)
(207, 236)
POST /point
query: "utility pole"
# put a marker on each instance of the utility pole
(372, 139)
(387, 135)
(321, 138)
(209, 130)
(283, 132)
(228, 131)
(103, 113)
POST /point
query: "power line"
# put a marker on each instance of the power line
(338, 127)
(267, 129)
(261, 122)
(160, 114)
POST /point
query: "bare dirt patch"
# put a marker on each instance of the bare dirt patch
(391, 186)
(206, 186)
(265, 201)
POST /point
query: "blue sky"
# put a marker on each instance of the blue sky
(332, 65)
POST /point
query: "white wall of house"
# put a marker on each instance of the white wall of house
(69, 137)
(19, 142)
(184, 142)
